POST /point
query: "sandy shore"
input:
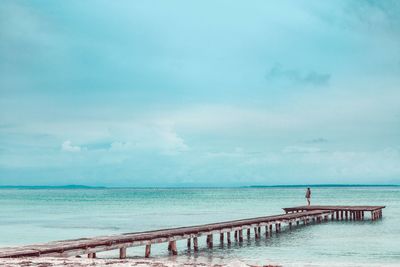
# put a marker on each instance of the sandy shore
(200, 262)
(84, 262)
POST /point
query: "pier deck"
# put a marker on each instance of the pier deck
(342, 212)
(90, 246)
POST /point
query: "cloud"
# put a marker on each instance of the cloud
(279, 74)
(171, 143)
(68, 147)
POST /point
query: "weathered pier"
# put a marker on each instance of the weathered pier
(90, 246)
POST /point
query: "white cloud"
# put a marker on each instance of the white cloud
(68, 147)
(171, 143)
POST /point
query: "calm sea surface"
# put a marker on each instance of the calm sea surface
(39, 215)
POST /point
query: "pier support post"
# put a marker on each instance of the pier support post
(195, 244)
(210, 241)
(256, 233)
(259, 231)
(172, 245)
(148, 250)
(270, 229)
(266, 230)
(240, 235)
(122, 253)
(236, 235)
(290, 225)
(228, 238)
(189, 243)
(346, 214)
(221, 238)
(248, 233)
(92, 255)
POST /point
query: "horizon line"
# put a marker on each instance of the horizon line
(80, 186)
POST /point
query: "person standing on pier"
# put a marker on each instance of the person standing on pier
(308, 196)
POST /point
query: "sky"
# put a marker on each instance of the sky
(199, 93)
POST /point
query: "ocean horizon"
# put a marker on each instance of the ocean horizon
(81, 186)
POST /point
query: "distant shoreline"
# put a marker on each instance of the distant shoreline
(191, 187)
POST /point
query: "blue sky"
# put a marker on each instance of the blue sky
(183, 93)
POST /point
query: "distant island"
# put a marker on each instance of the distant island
(72, 186)
(323, 185)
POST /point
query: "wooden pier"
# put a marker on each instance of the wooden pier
(90, 246)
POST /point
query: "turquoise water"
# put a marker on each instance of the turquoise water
(40, 215)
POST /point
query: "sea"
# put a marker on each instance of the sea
(37, 215)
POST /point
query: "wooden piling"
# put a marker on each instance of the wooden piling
(241, 235)
(92, 255)
(221, 238)
(256, 233)
(122, 253)
(210, 241)
(174, 250)
(148, 250)
(189, 243)
(196, 244)
(228, 238)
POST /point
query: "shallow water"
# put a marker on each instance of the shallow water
(40, 215)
